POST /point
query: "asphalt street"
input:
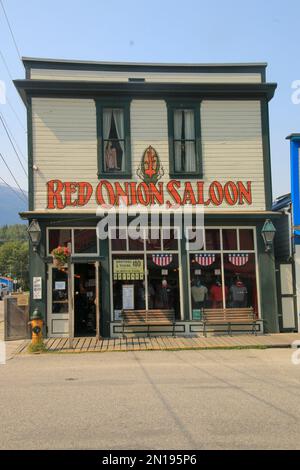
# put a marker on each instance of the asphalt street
(240, 399)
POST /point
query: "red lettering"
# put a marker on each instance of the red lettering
(54, 189)
(109, 191)
(70, 188)
(231, 193)
(216, 193)
(173, 191)
(157, 194)
(143, 194)
(85, 191)
(188, 195)
(245, 194)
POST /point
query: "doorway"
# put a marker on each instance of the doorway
(86, 311)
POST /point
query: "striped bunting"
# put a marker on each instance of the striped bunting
(205, 259)
(162, 260)
(238, 259)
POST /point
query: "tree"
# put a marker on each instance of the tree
(14, 261)
(13, 233)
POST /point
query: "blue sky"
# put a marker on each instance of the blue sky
(158, 31)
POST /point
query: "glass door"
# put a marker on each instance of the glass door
(58, 302)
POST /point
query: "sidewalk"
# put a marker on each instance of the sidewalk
(80, 345)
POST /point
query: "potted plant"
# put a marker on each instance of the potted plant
(60, 255)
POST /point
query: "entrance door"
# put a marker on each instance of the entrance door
(58, 302)
(86, 299)
(85, 309)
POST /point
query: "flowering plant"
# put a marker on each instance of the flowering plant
(61, 255)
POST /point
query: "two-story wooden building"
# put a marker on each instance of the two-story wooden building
(172, 135)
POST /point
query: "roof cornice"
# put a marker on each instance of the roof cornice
(59, 88)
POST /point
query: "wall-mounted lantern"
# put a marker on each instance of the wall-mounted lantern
(268, 233)
(35, 233)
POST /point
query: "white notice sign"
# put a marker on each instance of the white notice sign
(128, 296)
(37, 288)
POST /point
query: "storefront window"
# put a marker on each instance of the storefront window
(240, 280)
(136, 244)
(212, 239)
(59, 237)
(229, 239)
(206, 282)
(170, 239)
(221, 278)
(128, 283)
(163, 282)
(153, 241)
(118, 239)
(59, 291)
(246, 239)
(85, 241)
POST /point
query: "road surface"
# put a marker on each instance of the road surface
(240, 399)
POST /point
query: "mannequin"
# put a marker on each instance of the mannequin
(238, 293)
(216, 294)
(199, 294)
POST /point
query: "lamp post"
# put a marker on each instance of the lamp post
(268, 233)
(35, 233)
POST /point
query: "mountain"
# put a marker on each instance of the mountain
(10, 206)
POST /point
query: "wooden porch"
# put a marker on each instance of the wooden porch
(159, 343)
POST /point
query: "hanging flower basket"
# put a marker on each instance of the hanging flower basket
(61, 254)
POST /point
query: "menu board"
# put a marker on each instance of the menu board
(128, 269)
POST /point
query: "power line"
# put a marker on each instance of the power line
(6, 66)
(15, 113)
(13, 176)
(11, 31)
(12, 189)
(10, 76)
(12, 136)
(13, 146)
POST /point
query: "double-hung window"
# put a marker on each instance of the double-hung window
(113, 130)
(184, 140)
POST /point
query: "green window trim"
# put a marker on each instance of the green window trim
(173, 105)
(123, 104)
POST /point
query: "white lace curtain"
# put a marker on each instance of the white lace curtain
(118, 115)
(184, 129)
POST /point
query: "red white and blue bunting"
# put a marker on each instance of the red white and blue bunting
(162, 260)
(238, 259)
(205, 259)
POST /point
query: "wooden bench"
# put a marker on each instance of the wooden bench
(148, 318)
(229, 317)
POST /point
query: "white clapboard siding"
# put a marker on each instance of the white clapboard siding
(232, 144)
(65, 143)
(155, 77)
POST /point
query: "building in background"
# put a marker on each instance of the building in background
(172, 135)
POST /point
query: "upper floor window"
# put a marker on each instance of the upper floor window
(113, 129)
(113, 140)
(184, 140)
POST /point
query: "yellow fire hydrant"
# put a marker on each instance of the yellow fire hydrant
(36, 322)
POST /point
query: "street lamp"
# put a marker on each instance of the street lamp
(268, 233)
(35, 233)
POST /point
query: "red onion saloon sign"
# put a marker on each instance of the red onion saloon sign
(148, 192)
(70, 194)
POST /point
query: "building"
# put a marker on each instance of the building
(166, 137)
(284, 248)
(287, 245)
